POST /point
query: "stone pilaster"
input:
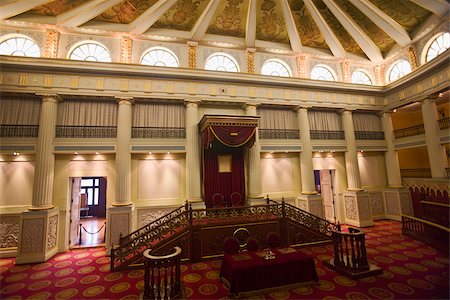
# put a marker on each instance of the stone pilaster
(301, 66)
(436, 151)
(193, 166)
(192, 54)
(126, 46)
(51, 43)
(254, 163)
(250, 52)
(379, 75)
(346, 71)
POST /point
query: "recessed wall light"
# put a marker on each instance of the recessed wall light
(76, 153)
(97, 153)
(16, 153)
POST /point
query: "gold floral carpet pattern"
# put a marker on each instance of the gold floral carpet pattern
(412, 270)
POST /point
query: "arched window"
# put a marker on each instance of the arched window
(90, 51)
(438, 46)
(276, 67)
(221, 62)
(361, 77)
(322, 72)
(20, 46)
(399, 69)
(160, 57)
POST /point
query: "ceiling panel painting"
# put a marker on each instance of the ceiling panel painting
(57, 7)
(383, 41)
(344, 37)
(230, 18)
(404, 12)
(270, 25)
(125, 12)
(182, 16)
(310, 34)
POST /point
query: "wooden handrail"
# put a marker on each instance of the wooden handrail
(162, 275)
(350, 250)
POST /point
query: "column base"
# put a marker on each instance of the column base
(312, 203)
(197, 203)
(398, 203)
(256, 199)
(357, 209)
(119, 220)
(38, 236)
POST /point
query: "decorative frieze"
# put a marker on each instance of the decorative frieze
(51, 43)
(250, 52)
(192, 55)
(32, 236)
(9, 231)
(350, 207)
(125, 49)
(147, 216)
(52, 236)
(376, 204)
(118, 225)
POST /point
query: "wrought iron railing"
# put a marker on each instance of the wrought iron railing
(19, 131)
(436, 212)
(64, 131)
(158, 132)
(327, 135)
(444, 123)
(415, 173)
(279, 134)
(369, 135)
(410, 131)
(184, 218)
(435, 235)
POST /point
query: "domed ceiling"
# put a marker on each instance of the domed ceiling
(368, 29)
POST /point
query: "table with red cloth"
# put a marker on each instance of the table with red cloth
(249, 271)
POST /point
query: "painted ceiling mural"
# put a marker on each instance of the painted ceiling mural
(218, 20)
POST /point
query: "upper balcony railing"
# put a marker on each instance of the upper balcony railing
(327, 135)
(444, 123)
(415, 173)
(158, 132)
(410, 131)
(19, 131)
(279, 134)
(63, 131)
(369, 135)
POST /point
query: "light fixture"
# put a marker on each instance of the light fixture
(76, 153)
(16, 153)
(168, 152)
(97, 153)
(149, 153)
(271, 152)
(286, 151)
(395, 110)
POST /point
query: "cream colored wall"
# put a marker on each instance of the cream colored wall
(406, 119)
(180, 159)
(414, 158)
(372, 169)
(16, 181)
(280, 175)
(334, 161)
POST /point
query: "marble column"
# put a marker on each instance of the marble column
(308, 200)
(38, 231)
(436, 151)
(397, 198)
(254, 193)
(356, 201)
(193, 166)
(120, 216)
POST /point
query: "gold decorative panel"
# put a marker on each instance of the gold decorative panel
(404, 12)
(344, 37)
(378, 36)
(182, 15)
(310, 34)
(270, 25)
(229, 18)
(57, 7)
(126, 11)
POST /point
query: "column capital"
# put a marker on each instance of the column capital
(429, 99)
(346, 111)
(249, 105)
(49, 97)
(300, 107)
(192, 43)
(250, 50)
(124, 100)
(192, 101)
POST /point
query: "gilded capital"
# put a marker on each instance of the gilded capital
(251, 60)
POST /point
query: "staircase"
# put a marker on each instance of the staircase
(200, 232)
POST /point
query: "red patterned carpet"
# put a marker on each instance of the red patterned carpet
(412, 270)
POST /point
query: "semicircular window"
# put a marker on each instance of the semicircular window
(91, 52)
(19, 46)
(438, 46)
(221, 62)
(160, 57)
(322, 73)
(399, 69)
(361, 78)
(275, 67)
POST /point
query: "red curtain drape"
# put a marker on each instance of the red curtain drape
(230, 136)
(223, 183)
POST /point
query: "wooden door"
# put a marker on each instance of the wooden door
(75, 188)
(101, 209)
(327, 194)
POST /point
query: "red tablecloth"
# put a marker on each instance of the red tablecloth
(249, 271)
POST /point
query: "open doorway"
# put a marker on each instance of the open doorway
(325, 185)
(87, 211)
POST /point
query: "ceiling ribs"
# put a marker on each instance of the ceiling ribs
(142, 23)
(250, 28)
(203, 21)
(14, 8)
(438, 7)
(294, 36)
(331, 39)
(84, 12)
(364, 42)
(382, 20)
